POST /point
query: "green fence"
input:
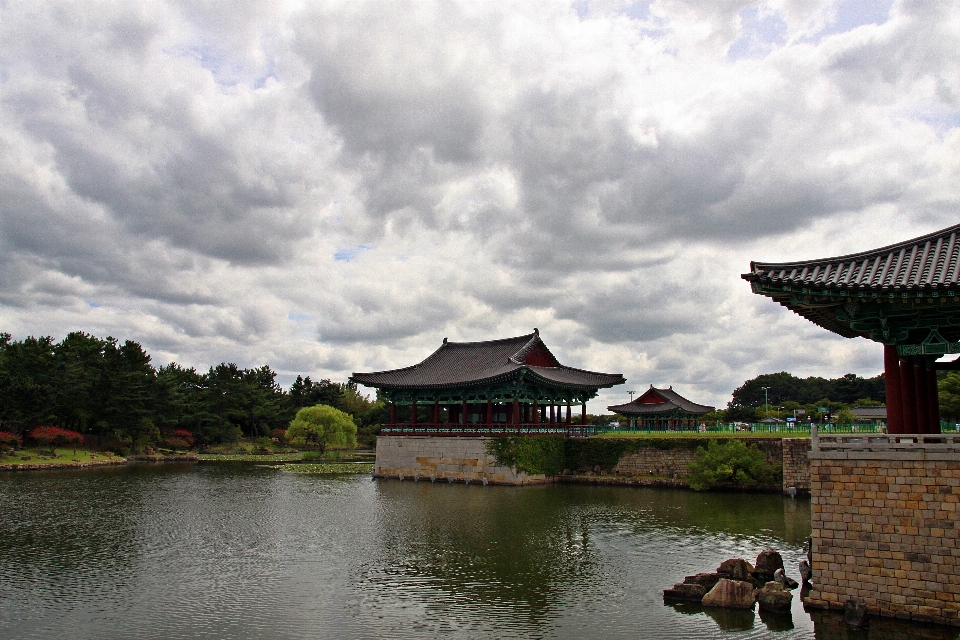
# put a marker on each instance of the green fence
(760, 428)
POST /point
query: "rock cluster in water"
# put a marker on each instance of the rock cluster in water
(737, 584)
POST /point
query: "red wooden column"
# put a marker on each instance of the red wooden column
(516, 411)
(463, 413)
(413, 414)
(891, 370)
(553, 413)
(568, 414)
(436, 413)
(393, 413)
(583, 414)
(490, 412)
(933, 399)
(921, 383)
(536, 412)
(908, 395)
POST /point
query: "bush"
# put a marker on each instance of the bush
(280, 435)
(8, 439)
(56, 437)
(731, 463)
(179, 440)
(532, 454)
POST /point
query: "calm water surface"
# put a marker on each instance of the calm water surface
(239, 551)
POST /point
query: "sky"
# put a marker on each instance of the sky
(331, 187)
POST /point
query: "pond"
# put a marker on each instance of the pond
(239, 551)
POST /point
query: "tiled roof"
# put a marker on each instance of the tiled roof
(672, 401)
(929, 262)
(867, 413)
(469, 363)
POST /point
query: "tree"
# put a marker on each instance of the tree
(323, 426)
(731, 463)
(949, 389)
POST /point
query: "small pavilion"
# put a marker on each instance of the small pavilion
(660, 409)
(905, 296)
(513, 386)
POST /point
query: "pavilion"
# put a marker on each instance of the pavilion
(905, 296)
(513, 386)
(660, 409)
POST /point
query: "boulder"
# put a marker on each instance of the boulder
(736, 569)
(706, 580)
(767, 564)
(685, 592)
(782, 578)
(774, 597)
(733, 594)
(805, 571)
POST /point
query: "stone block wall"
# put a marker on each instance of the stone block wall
(662, 463)
(445, 459)
(796, 464)
(885, 531)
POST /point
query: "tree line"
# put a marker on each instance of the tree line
(110, 391)
(773, 393)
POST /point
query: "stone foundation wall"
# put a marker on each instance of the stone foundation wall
(448, 459)
(791, 453)
(885, 531)
(662, 463)
(796, 464)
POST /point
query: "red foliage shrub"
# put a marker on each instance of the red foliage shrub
(183, 434)
(176, 443)
(279, 434)
(55, 436)
(8, 439)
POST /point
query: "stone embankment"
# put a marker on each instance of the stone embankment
(27, 466)
(466, 460)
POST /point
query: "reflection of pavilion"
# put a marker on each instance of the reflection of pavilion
(661, 409)
(905, 296)
(496, 387)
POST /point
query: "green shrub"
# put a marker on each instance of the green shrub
(532, 454)
(731, 463)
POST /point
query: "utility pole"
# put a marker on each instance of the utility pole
(631, 395)
(766, 401)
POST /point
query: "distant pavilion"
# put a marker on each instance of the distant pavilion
(905, 296)
(659, 409)
(498, 387)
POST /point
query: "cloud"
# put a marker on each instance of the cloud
(336, 186)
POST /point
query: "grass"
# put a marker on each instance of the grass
(707, 434)
(327, 467)
(249, 457)
(43, 457)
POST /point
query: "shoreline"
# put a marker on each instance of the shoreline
(106, 462)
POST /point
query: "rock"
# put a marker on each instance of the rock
(736, 569)
(686, 592)
(734, 594)
(774, 597)
(805, 571)
(706, 580)
(855, 613)
(767, 564)
(781, 577)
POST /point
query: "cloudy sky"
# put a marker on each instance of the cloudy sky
(329, 187)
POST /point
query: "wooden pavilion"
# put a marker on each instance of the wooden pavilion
(513, 386)
(905, 296)
(661, 409)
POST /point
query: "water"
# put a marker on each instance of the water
(238, 551)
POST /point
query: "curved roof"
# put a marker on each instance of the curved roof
(668, 400)
(471, 363)
(928, 262)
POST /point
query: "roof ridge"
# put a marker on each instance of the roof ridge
(905, 244)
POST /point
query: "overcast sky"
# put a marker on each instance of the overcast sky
(330, 187)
